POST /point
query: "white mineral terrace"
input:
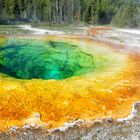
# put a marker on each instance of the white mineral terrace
(38, 31)
(128, 37)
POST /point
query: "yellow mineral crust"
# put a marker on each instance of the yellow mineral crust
(51, 103)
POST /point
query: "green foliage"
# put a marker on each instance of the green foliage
(127, 15)
(118, 12)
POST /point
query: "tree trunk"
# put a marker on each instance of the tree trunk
(0, 7)
(72, 11)
(60, 10)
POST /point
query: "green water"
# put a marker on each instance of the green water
(30, 59)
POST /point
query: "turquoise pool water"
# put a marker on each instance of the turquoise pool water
(30, 59)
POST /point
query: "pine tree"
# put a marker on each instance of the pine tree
(127, 15)
(126, 12)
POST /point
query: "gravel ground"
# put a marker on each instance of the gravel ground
(105, 129)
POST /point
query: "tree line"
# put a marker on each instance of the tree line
(119, 12)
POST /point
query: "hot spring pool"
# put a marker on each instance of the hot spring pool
(64, 78)
(28, 59)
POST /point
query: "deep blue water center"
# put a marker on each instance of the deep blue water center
(30, 59)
